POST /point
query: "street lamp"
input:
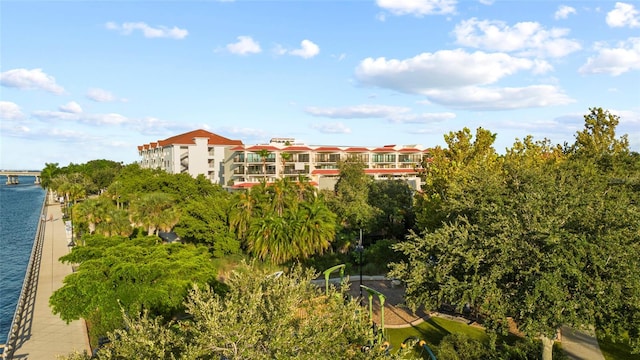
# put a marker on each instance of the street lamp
(360, 249)
(71, 244)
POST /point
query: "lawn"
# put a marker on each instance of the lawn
(435, 329)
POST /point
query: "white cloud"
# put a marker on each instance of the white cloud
(10, 111)
(418, 7)
(357, 111)
(307, 49)
(245, 45)
(525, 38)
(486, 2)
(30, 79)
(100, 95)
(424, 118)
(614, 60)
(563, 12)
(148, 31)
(332, 128)
(91, 119)
(479, 98)
(443, 69)
(623, 15)
(71, 107)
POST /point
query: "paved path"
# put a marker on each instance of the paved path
(44, 335)
(580, 345)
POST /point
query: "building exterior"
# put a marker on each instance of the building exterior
(195, 152)
(237, 166)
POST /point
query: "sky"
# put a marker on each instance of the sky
(85, 80)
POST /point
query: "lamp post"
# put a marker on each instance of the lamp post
(360, 249)
(71, 244)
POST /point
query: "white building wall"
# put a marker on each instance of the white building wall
(198, 157)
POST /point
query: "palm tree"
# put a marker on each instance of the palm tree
(284, 157)
(264, 154)
(115, 222)
(151, 211)
(91, 212)
(269, 238)
(242, 210)
(315, 228)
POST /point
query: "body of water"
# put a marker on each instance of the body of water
(20, 207)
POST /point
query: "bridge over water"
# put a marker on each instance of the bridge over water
(12, 175)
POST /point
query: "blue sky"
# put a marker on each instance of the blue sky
(84, 80)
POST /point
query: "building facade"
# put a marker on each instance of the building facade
(237, 166)
(195, 152)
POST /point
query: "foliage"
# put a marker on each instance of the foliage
(351, 196)
(263, 316)
(543, 238)
(97, 174)
(136, 274)
(206, 221)
(282, 221)
(394, 200)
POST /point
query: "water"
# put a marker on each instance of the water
(20, 207)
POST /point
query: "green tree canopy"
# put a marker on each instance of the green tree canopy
(136, 274)
(262, 316)
(539, 237)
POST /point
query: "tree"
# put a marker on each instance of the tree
(262, 316)
(282, 221)
(206, 221)
(543, 238)
(598, 138)
(136, 274)
(47, 174)
(154, 211)
(264, 155)
(284, 157)
(350, 202)
(394, 199)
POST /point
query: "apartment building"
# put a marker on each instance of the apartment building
(238, 166)
(286, 158)
(195, 152)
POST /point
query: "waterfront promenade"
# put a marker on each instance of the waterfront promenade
(43, 335)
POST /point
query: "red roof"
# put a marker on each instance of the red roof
(248, 185)
(384, 149)
(328, 149)
(262, 147)
(410, 150)
(357, 149)
(187, 139)
(297, 148)
(325, 172)
(390, 171)
(366, 171)
(238, 148)
(140, 147)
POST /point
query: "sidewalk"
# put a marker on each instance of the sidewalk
(44, 335)
(580, 345)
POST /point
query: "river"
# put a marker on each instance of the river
(20, 207)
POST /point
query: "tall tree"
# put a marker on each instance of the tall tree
(264, 156)
(48, 173)
(350, 202)
(544, 239)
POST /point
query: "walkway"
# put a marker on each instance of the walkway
(44, 335)
(578, 345)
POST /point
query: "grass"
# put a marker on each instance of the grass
(616, 350)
